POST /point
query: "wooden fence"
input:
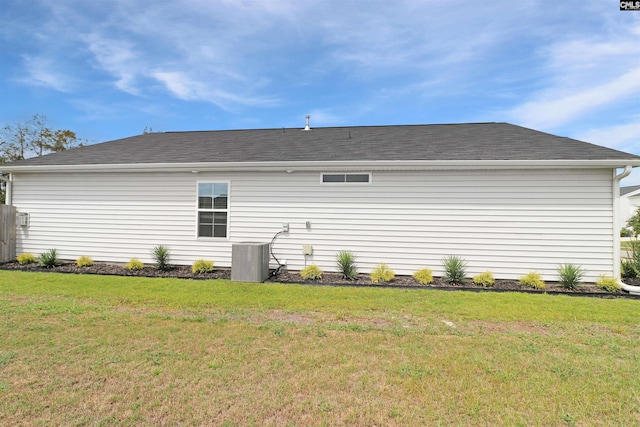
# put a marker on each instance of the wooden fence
(7, 233)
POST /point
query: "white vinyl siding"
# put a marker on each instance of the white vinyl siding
(507, 221)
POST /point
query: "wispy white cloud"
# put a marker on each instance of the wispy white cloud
(118, 58)
(196, 50)
(178, 84)
(581, 75)
(238, 43)
(184, 87)
(534, 63)
(550, 109)
(624, 137)
(42, 71)
(407, 37)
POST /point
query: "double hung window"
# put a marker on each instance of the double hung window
(213, 209)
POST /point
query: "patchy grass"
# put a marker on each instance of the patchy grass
(96, 350)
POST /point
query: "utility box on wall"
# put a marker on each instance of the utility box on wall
(250, 262)
(23, 219)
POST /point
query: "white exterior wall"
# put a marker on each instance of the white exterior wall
(507, 221)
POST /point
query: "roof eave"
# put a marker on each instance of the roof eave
(631, 194)
(324, 165)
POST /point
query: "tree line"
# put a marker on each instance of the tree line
(33, 138)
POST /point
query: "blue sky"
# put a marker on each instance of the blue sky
(108, 69)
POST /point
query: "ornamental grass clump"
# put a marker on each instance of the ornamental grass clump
(485, 279)
(608, 284)
(201, 266)
(454, 269)
(84, 261)
(629, 269)
(49, 259)
(532, 280)
(424, 276)
(26, 258)
(382, 274)
(347, 265)
(570, 276)
(311, 272)
(162, 255)
(134, 264)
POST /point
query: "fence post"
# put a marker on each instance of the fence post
(7, 233)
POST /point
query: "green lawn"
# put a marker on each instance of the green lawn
(97, 350)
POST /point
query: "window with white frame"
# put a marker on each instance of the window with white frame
(213, 209)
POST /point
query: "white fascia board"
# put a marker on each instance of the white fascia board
(328, 165)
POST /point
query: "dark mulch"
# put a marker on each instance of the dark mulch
(632, 282)
(184, 272)
(438, 283)
(180, 271)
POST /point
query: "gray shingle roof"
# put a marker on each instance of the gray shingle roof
(474, 141)
(630, 189)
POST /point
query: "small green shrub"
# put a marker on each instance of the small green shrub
(424, 276)
(134, 264)
(625, 232)
(84, 261)
(608, 283)
(311, 272)
(570, 276)
(629, 269)
(454, 269)
(634, 223)
(49, 259)
(26, 258)
(533, 280)
(162, 255)
(201, 266)
(485, 279)
(382, 273)
(347, 264)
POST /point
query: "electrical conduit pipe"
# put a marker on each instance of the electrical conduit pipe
(8, 189)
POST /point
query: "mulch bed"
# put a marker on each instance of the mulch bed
(180, 272)
(438, 283)
(328, 279)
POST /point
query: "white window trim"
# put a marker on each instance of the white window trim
(346, 173)
(197, 219)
